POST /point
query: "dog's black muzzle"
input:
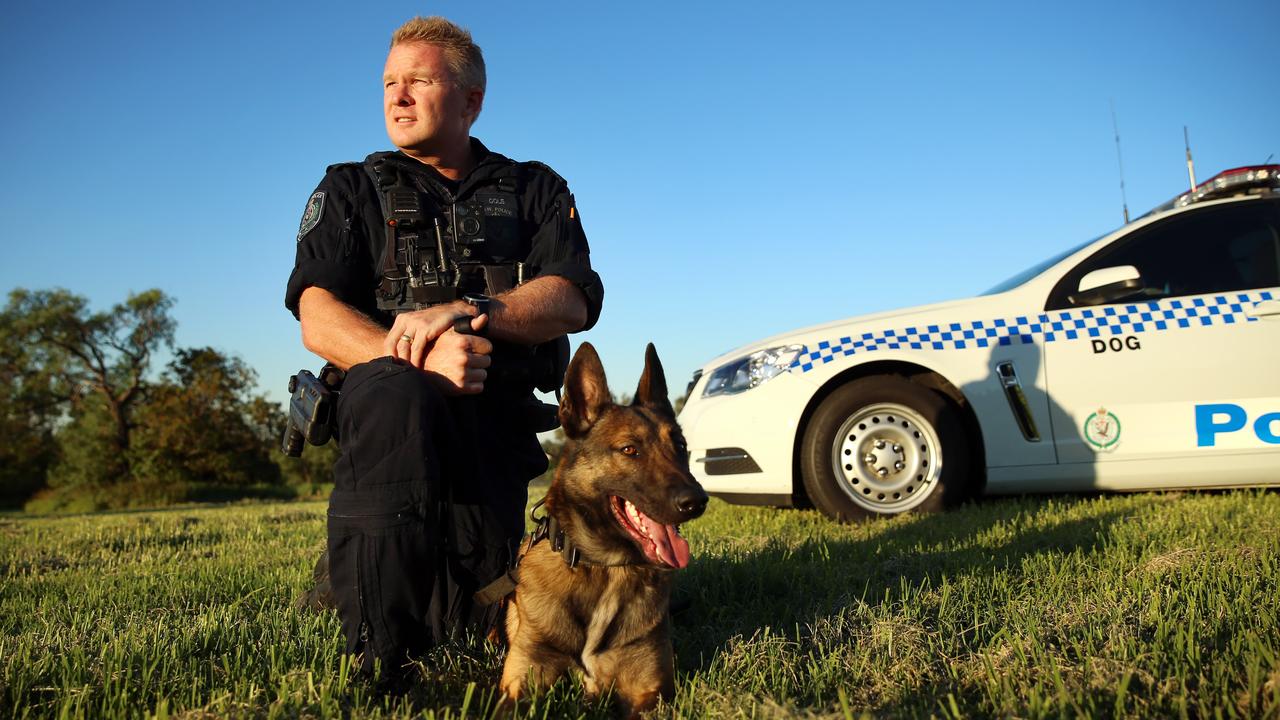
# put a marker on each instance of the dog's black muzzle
(690, 502)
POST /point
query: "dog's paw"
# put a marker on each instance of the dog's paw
(630, 706)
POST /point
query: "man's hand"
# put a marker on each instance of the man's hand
(459, 362)
(426, 340)
(411, 336)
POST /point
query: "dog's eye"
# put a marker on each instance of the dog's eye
(630, 450)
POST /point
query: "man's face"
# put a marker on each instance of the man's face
(426, 113)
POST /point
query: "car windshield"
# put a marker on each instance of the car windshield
(1036, 269)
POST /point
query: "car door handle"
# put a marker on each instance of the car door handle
(1266, 308)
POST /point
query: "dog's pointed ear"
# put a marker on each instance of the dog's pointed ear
(652, 390)
(586, 393)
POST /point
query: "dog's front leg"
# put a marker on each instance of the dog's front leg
(629, 700)
(531, 669)
(639, 675)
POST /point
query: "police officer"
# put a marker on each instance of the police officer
(434, 420)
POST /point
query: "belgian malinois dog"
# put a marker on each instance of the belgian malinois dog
(595, 596)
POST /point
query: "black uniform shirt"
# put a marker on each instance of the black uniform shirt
(341, 238)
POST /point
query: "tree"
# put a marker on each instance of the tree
(553, 446)
(93, 362)
(200, 424)
(29, 410)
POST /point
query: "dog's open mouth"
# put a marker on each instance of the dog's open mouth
(662, 544)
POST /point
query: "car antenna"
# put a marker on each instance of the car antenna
(1268, 160)
(1191, 167)
(1124, 201)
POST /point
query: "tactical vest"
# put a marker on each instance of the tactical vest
(436, 252)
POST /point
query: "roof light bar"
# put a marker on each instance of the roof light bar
(1231, 182)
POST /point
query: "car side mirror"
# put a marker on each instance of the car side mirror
(1106, 285)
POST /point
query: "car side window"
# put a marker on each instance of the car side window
(1219, 249)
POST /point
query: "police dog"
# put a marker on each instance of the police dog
(594, 595)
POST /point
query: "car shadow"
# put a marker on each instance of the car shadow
(786, 586)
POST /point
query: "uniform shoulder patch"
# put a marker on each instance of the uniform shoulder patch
(311, 216)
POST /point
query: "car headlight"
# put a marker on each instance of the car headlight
(752, 370)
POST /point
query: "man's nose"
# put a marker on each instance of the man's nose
(399, 96)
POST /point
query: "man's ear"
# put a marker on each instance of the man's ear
(475, 103)
(652, 390)
(586, 393)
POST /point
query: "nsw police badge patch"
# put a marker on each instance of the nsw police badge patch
(311, 216)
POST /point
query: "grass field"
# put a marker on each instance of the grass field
(1155, 605)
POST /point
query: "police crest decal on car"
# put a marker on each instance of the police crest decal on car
(1102, 430)
(311, 216)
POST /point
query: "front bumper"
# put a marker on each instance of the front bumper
(743, 444)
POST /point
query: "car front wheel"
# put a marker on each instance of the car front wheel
(884, 445)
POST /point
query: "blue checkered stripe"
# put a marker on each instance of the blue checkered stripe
(1155, 316)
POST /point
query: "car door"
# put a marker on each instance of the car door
(1183, 374)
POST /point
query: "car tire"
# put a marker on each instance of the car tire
(884, 445)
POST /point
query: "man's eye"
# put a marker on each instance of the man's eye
(630, 450)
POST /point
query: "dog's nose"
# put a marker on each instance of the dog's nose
(691, 502)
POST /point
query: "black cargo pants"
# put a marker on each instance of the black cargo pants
(427, 507)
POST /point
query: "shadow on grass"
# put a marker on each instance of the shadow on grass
(788, 587)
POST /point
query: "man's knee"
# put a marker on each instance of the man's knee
(392, 424)
(385, 391)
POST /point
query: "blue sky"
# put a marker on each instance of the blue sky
(742, 168)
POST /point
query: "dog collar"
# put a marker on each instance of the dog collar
(546, 527)
(549, 528)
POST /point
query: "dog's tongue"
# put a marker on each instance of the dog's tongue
(667, 545)
(671, 548)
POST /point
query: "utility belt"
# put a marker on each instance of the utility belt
(312, 417)
(516, 370)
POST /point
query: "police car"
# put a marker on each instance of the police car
(1144, 359)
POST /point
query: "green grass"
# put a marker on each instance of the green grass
(1154, 605)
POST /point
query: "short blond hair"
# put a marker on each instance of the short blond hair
(465, 60)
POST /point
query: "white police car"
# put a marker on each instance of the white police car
(1147, 358)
